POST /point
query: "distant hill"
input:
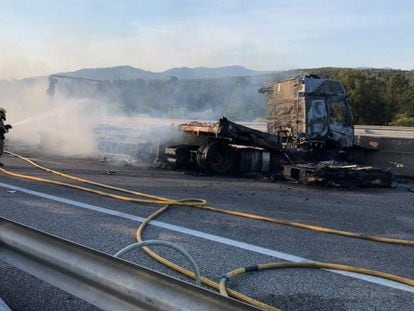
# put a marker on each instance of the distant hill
(112, 73)
(130, 73)
(205, 72)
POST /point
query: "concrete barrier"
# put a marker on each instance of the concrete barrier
(394, 153)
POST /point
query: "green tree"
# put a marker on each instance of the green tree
(396, 85)
(366, 95)
(403, 119)
(407, 102)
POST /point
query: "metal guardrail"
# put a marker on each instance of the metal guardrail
(101, 279)
(385, 127)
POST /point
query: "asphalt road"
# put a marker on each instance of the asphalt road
(386, 212)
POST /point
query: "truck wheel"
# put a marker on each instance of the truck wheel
(216, 157)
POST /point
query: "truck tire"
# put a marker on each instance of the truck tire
(217, 158)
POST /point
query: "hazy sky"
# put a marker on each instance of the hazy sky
(38, 37)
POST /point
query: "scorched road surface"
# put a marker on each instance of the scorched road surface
(219, 243)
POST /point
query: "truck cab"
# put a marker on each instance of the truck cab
(310, 110)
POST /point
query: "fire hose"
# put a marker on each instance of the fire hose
(196, 203)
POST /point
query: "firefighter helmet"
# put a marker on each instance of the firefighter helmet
(3, 113)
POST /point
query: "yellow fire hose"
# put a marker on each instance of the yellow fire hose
(202, 204)
(309, 265)
(198, 203)
(190, 274)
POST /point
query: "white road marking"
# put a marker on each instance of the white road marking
(3, 306)
(207, 236)
(44, 161)
(35, 159)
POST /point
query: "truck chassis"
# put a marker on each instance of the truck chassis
(225, 147)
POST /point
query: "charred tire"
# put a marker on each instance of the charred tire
(216, 158)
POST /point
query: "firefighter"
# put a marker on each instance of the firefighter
(4, 128)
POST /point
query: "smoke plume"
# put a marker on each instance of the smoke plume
(48, 124)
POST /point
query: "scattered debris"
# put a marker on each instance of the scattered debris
(336, 174)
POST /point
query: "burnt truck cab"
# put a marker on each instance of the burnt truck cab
(310, 111)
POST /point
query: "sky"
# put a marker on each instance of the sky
(40, 37)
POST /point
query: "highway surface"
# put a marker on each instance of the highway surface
(220, 243)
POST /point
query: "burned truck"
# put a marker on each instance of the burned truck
(309, 136)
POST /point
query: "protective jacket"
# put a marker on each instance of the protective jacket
(3, 129)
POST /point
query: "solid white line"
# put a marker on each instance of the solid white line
(207, 236)
(44, 161)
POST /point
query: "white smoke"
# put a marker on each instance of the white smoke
(50, 125)
(76, 127)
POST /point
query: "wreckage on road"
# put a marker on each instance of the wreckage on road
(310, 138)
